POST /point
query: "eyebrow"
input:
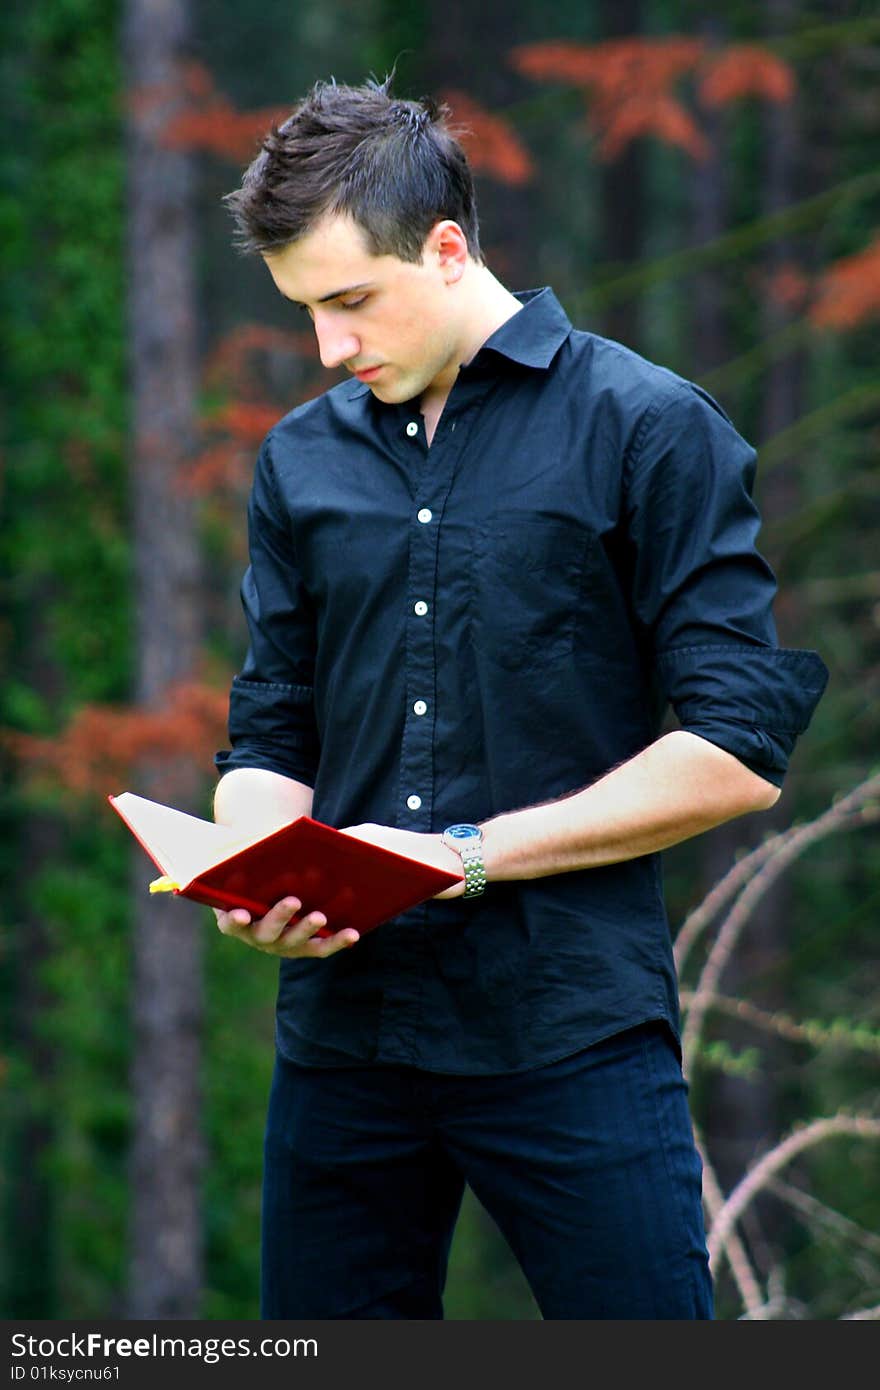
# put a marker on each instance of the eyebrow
(334, 294)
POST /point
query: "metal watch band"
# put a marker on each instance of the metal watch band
(474, 870)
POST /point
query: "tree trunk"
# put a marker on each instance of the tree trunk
(460, 35)
(165, 1274)
(744, 1112)
(622, 209)
(740, 1111)
(31, 1283)
(710, 218)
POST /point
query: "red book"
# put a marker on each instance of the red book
(355, 884)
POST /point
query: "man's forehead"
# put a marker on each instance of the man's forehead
(332, 259)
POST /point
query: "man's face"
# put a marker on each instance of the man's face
(392, 323)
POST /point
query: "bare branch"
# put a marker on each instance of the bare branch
(740, 1265)
(844, 811)
(804, 1137)
(719, 896)
(811, 1031)
(858, 807)
(818, 1214)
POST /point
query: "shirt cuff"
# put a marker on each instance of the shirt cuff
(271, 726)
(752, 701)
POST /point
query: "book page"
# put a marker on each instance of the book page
(183, 845)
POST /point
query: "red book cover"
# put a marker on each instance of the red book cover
(355, 884)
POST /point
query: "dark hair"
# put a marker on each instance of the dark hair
(394, 166)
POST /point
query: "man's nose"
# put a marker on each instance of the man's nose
(336, 343)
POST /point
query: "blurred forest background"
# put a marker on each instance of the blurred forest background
(699, 181)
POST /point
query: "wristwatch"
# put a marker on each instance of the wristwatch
(467, 840)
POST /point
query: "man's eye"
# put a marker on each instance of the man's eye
(352, 303)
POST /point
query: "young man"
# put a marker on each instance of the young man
(480, 571)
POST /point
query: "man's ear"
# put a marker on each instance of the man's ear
(446, 243)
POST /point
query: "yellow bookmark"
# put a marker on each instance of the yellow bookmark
(164, 885)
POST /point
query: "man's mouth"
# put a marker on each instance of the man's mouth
(367, 373)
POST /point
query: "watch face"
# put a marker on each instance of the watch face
(463, 832)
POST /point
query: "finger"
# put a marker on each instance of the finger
(288, 933)
(277, 920)
(232, 923)
(322, 946)
(305, 927)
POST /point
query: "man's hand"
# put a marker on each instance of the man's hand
(277, 934)
(430, 849)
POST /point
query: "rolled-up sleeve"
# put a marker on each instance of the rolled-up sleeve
(702, 592)
(271, 706)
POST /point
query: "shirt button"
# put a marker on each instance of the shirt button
(412, 429)
(425, 515)
(420, 608)
(413, 802)
(420, 707)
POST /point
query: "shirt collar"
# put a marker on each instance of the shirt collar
(532, 337)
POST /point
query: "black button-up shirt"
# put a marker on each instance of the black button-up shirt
(444, 634)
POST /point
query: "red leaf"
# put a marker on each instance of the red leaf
(745, 70)
(627, 84)
(849, 291)
(100, 745)
(491, 144)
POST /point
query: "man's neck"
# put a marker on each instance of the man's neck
(490, 305)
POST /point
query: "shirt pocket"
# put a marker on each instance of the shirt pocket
(527, 578)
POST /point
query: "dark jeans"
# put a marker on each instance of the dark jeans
(588, 1166)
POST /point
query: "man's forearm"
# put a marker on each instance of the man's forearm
(259, 799)
(674, 789)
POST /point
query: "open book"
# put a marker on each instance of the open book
(355, 884)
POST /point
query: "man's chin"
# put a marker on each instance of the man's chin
(395, 390)
(387, 393)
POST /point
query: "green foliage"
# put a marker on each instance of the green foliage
(720, 1056)
(63, 293)
(72, 1081)
(239, 1054)
(66, 619)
